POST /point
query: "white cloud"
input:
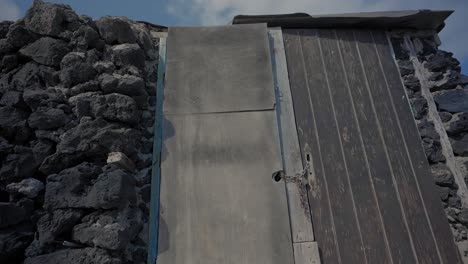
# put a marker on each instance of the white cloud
(9, 10)
(220, 12)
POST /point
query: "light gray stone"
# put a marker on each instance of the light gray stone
(121, 160)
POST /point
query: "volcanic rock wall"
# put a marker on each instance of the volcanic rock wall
(76, 128)
(438, 95)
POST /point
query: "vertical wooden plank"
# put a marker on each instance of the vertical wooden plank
(334, 167)
(381, 174)
(334, 170)
(441, 232)
(156, 169)
(319, 200)
(306, 253)
(299, 212)
(403, 176)
(361, 185)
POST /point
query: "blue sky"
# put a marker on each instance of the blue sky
(220, 12)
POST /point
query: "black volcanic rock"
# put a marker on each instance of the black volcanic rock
(51, 19)
(86, 37)
(442, 175)
(121, 228)
(84, 186)
(46, 50)
(91, 139)
(19, 36)
(76, 69)
(47, 118)
(128, 54)
(84, 255)
(452, 101)
(115, 30)
(4, 28)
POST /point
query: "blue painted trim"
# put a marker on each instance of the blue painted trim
(156, 169)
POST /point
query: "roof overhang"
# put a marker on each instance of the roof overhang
(411, 19)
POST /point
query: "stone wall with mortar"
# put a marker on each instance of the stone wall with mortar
(76, 134)
(438, 95)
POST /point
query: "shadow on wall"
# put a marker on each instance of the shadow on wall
(168, 131)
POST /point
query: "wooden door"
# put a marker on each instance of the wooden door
(372, 197)
(218, 201)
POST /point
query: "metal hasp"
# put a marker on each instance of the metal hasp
(305, 247)
(220, 139)
(371, 194)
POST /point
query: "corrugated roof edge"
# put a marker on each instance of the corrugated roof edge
(410, 19)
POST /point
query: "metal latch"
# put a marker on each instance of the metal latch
(300, 178)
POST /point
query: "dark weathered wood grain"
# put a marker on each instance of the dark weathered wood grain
(440, 229)
(361, 185)
(403, 175)
(362, 152)
(335, 170)
(391, 217)
(319, 199)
